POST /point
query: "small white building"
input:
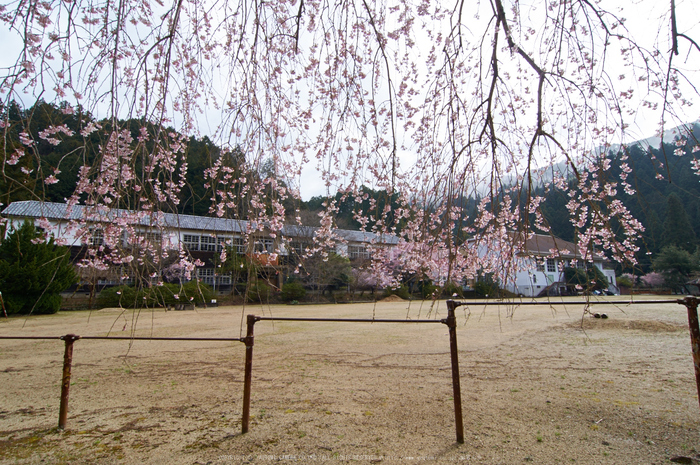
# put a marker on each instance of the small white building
(539, 262)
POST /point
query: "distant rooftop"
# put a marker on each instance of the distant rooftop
(544, 244)
(62, 212)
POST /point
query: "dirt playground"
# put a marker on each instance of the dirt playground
(540, 384)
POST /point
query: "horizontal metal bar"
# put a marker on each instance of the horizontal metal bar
(466, 303)
(347, 320)
(222, 339)
(125, 338)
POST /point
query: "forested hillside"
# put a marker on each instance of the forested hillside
(666, 198)
(63, 153)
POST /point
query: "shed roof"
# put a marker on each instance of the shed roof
(547, 244)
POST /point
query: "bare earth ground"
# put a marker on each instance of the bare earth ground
(545, 386)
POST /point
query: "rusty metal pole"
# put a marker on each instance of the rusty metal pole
(691, 303)
(65, 384)
(454, 355)
(249, 340)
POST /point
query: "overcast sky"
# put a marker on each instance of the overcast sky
(642, 21)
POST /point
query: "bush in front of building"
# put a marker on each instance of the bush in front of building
(258, 292)
(293, 291)
(586, 280)
(191, 292)
(452, 291)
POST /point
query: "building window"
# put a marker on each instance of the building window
(297, 247)
(207, 243)
(264, 245)
(238, 243)
(551, 265)
(191, 241)
(146, 239)
(209, 276)
(540, 266)
(153, 238)
(97, 237)
(357, 251)
(206, 275)
(221, 242)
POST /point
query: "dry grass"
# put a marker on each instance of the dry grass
(539, 384)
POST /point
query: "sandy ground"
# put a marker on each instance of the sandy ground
(540, 384)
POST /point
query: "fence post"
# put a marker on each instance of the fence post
(454, 356)
(249, 340)
(691, 303)
(65, 384)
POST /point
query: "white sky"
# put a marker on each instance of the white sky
(640, 14)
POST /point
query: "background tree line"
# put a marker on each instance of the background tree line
(666, 201)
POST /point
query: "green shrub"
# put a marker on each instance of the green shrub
(196, 292)
(428, 290)
(33, 272)
(401, 291)
(451, 290)
(114, 296)
(589, 279)
(156, 296)
(293, 291)
(624, 281)
(258, 292)
(486, 289)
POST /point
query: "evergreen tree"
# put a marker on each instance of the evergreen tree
(33, 272)
(677, 229)
(676, 265)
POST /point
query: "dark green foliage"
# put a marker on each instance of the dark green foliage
(590, 279)
(258, 292)
(330, 273)
(32, 275)
(191, 292)
(401, 291)
(624, 281)
(427, 289)
(452, 290)
(348, 205)
(677, 229)
(656, 174)
(486, 287)
(293, 291)
(237, 266)
(676, 265)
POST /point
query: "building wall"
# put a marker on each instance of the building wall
(535, 277)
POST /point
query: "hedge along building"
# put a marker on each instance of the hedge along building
(117, 246)
(539, 261)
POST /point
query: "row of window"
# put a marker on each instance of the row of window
(358, 251)
(97, 237)
(208, 243)
(208, 276)
(551, 265)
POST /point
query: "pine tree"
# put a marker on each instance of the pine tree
(677, 228)
(33, 272)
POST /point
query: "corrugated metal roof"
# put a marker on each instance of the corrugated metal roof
(364, 236)
(61, 211)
